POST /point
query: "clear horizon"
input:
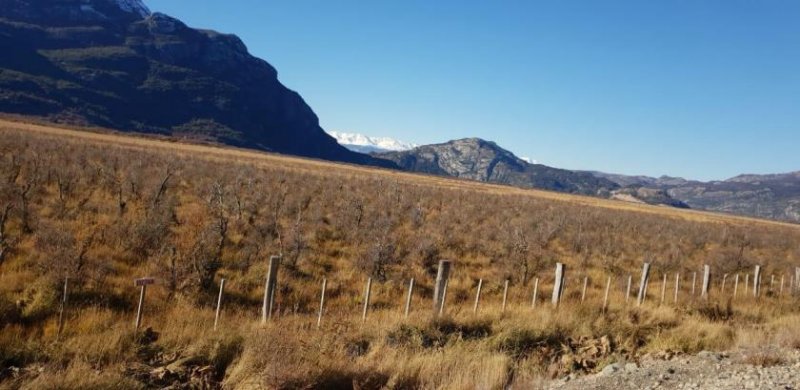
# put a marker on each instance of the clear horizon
(702, 90)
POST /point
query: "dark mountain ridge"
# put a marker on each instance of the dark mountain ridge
(111, 63)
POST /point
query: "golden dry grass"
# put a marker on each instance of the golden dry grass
(94, 207)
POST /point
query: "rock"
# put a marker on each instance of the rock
(631, 367)
(611, 369)
(710, 356)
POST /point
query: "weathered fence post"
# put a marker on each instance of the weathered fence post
(478, 296)
(367, 295)
(677, 281)
(628, 289)
(643, 283)
(772, 284)
(663, 289)
(535, 293)
(142, 283)
(781, 291)
(408, 298)
(219, 303)
(757, 281)
(505, 295)
(706, 281)
(558, 285)
(322, 302)
(796, 279)
(583, 292)
(270, 286)
(736, 286)
(694, 281)
(441, 285)
(63, 312)
(746, 283)
(605, 296)
(724, 279)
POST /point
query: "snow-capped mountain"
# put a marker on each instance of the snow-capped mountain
(366, 144)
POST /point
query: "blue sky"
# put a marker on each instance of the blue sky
(699, 89)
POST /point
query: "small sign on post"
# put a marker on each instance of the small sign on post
(643, 283)
(441, 282)
(142, 283)
(559, 283)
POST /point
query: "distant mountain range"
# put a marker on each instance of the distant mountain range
(774, 196)
(366, 144)
(114, 64)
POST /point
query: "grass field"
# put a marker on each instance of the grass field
(101, 209)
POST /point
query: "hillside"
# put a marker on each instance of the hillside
(477, 159)
(773, 196)
(113, 64)
(101, 210)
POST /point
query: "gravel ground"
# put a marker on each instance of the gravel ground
(706, 370)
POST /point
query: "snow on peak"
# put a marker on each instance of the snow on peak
(366, 144)
(133, 6)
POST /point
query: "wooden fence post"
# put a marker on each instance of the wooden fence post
(558, 285)
(746, 283)
(605, 297)
(505, 295)
(219, 303)
(663, 289)
(736, 286)
(781, 291)
(442, 275)
(408, 298)
(643, 283)
(694, 281)
(583, 292)
(724, 280)
(63, 312)
(772, 284)
(269, 288)
(796, 279)
(535, 293)
(677, 281)
(142, 283)
(706, 281)
(628, 289)
(322, 302)
(477, 297)
(757, 281)
(367, 295)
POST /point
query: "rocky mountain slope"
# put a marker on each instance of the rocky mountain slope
(477, 159)
(775, 196)
(112, 63)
